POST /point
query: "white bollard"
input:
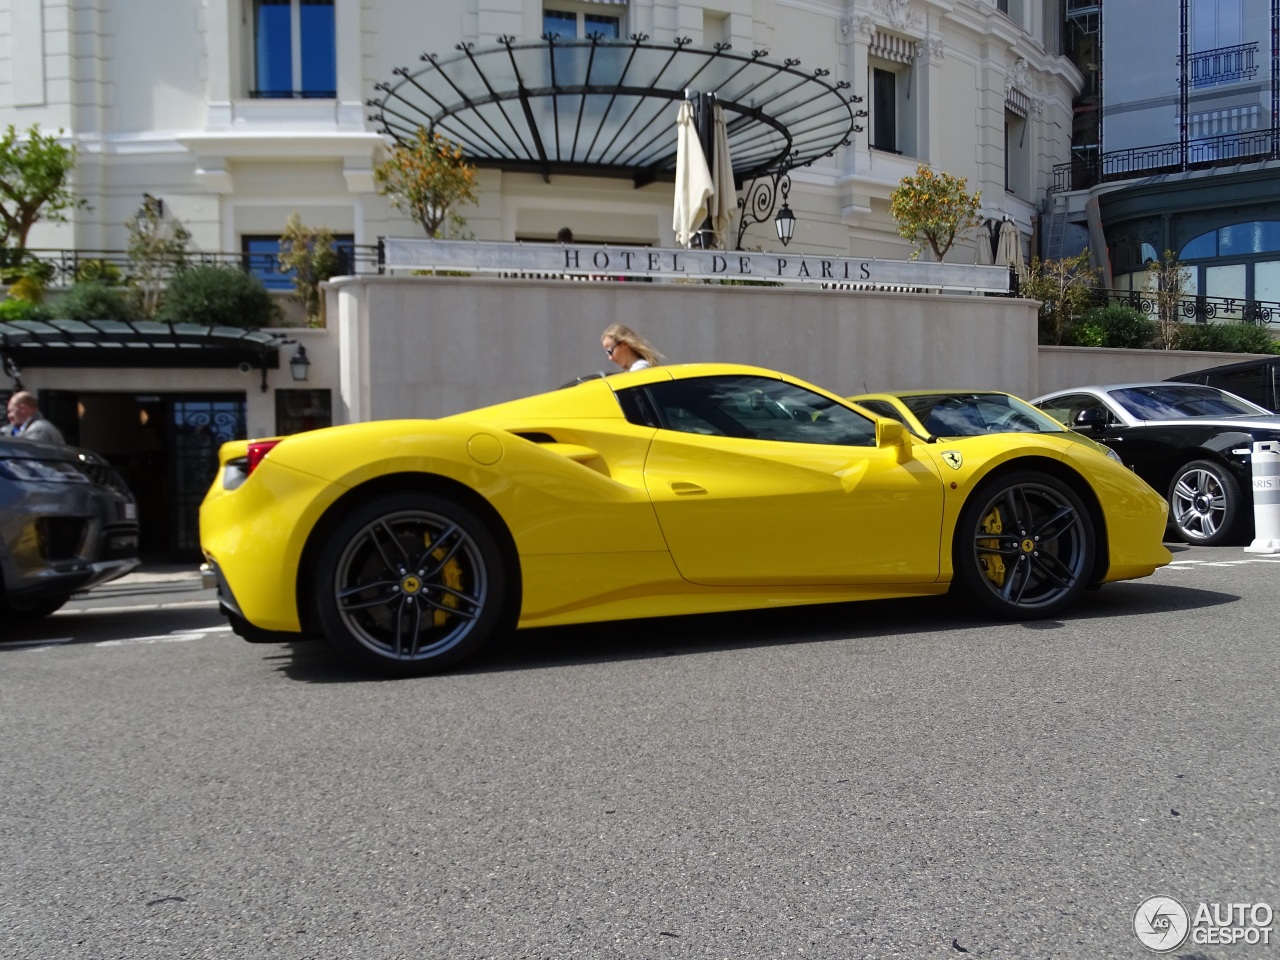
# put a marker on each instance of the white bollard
(1266, 498)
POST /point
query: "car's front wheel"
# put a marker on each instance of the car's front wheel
(1024, 546)
(29, 612)
(410, 583)
(1204, 503)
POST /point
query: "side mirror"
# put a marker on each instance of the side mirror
(891, 433)
(1092, 420)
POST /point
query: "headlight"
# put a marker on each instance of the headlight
(1111, 454)
(40, 471)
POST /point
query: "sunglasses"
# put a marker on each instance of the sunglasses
(608, 351)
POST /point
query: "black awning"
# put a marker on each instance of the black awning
(139, 343)
(608, 107)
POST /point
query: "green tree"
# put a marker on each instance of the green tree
(934, 208)
(34, 173)
(157, 250)
(310, 255)
(218, 297)
(425, 178)
(93, 300)
(1065, 290)
(1167, 281)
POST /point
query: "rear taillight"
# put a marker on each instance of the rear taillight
(257, 450)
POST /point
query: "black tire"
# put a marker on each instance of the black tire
(410, 583)
(1024, 546)
(1204, 503)
(31, 612)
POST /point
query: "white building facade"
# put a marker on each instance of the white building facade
(236, 113)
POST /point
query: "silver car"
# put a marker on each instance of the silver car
(67, 523)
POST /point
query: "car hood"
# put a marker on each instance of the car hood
(33, 450)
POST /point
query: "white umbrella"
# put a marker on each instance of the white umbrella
(1009, 247)
(725, 202)
(983, 253)
(693, 179)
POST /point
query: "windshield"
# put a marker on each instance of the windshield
(1174, 401)
(971, 414)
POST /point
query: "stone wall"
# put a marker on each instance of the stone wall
(432, 346)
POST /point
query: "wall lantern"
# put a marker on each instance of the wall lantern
(785, 223)
(300, 365)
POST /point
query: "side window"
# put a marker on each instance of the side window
(757, 408)
(1066, 408)
(1249, 383)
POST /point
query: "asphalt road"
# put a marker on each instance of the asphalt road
(889, 779)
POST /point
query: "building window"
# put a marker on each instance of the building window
(884, 110)
(1017, 156)
(262, 259)
(298, 411)
(295, 49)
(576, 22)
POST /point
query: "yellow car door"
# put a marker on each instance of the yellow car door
(760, 481)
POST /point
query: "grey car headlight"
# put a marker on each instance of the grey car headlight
(27, 470)
(1111, 454)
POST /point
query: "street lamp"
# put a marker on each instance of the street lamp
(300, 365)
(785, 224)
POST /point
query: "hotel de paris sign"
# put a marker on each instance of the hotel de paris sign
(605, 260)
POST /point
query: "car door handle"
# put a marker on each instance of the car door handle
(684, 488)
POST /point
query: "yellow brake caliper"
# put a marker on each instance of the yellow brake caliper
(992, 563)
(450, 576)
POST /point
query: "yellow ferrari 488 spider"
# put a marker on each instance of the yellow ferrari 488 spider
(673, 490)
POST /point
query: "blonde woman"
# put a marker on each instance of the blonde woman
(628, 349)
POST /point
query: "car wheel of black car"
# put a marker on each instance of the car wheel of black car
(30, 612)
(1204, 503)
(410, 583)
(1024, 546)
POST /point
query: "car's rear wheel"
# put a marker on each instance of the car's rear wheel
(1204, 503)
(410, 583)
(1024, 546)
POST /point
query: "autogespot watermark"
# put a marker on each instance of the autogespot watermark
(1163, 923)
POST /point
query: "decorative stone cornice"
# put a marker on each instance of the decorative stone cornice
(900, 16)
(860, 26)
(931, 49)
(1019, 77)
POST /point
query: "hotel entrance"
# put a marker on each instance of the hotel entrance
(165, 446)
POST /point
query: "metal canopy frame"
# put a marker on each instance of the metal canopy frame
(139, 343)
(606, 107)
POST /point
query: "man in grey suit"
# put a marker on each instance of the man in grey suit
(24, 415)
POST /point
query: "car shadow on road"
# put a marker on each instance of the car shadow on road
(622, 640)
(106, 623)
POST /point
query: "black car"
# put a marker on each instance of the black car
(1255, 380)
(67, 523)
(1193, 443)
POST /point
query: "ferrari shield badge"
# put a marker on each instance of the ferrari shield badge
(952, 458)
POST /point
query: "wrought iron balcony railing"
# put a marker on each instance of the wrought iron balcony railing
(1209, 68)
(1197, 308)
(65, 267)
(1086, 170)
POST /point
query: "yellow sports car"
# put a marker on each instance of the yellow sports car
(671, 490)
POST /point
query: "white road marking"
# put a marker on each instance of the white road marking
(160, 638)
(176, 636)
(183, 604)
(36, 644)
